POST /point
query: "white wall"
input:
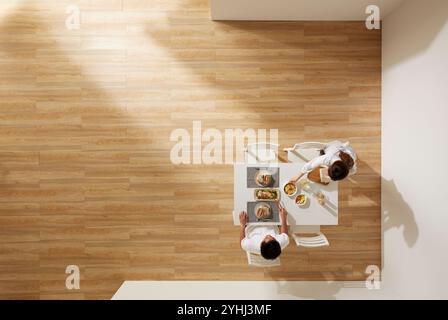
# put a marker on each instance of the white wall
(414, 148)
(346, 10)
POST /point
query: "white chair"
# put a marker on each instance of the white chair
(317, 239)
(261, 152)
(304, 151)
(256, 260)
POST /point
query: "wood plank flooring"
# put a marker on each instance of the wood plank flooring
(85, 120)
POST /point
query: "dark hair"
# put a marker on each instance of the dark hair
(347, 159)
(270, 250)
(338, 170)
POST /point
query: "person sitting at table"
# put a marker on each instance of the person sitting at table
(264, 240)
(336, 162)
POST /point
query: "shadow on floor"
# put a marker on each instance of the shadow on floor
(59, 131)
(314, 290)
(433, 15)
(397, 214)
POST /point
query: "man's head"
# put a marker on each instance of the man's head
(338, 170)
(270, 248)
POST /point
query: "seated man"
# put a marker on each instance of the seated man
(264, 240)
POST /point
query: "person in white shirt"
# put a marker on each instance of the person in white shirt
(264, 240)
(336, 162)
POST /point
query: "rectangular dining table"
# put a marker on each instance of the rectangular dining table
(311, 214)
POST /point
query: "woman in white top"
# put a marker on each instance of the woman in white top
(337, 161)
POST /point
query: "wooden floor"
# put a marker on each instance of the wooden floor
(86, 115)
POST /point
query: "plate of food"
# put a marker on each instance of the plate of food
(264, 178)
(267, 194)
(301, 200)
(263, 211)
(290, 189)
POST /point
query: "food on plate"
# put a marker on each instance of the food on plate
(290, 188)
(266, 194)
(263, 211)
(264, 178)
(301, 199)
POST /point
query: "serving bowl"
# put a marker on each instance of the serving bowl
(301, 200)
(289, 184)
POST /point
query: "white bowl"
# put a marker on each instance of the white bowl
(290, 195)
(301, 204)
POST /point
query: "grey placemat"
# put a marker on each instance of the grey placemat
(252, 172)
(253, 218)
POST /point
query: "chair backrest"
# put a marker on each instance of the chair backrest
(257, 260)
(319, 240)
(310, 145)
(304, 151)
(261, 152)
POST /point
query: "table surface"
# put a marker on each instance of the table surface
(311, 214)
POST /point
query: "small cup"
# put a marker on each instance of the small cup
(305, 200)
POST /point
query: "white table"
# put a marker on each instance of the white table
(312, 214)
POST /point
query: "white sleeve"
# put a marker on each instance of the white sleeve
(283, 240)
(313, 164)
(248, 246)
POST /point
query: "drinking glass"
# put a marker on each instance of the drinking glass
(320, 198)
(305, 185)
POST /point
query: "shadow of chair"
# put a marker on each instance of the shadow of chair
(396, 213)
